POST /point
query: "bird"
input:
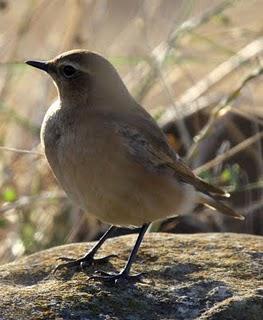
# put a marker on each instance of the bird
(111, 157)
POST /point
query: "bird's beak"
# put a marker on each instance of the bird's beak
(42, 65)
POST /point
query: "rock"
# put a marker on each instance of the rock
(200, 276)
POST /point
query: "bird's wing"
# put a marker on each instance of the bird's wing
(154, 153)
(159, 157)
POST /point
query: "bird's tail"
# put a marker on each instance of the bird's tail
(215, 204)
(210, 189)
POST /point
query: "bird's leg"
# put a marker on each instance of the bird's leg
(125, 273)
(88, 258)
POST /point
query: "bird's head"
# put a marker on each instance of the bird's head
(82, 76)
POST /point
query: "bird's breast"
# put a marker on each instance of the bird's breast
(85, 157)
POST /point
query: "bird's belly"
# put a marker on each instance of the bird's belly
(120, 192)
(144, 206)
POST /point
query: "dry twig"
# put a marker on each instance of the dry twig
(188, 103)
(220, 109)
(27, 200)
(160, 53)
(23, 151)
(230, 153)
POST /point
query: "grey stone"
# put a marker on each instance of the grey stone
(200, 276)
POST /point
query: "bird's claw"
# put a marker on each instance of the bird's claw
(81, 263)
(116, 277)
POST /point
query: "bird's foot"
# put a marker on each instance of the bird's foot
(115, 278)
(81, 263)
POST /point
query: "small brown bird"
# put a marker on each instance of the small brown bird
(111, 157)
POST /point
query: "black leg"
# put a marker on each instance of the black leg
(125, 273)
(88, 259)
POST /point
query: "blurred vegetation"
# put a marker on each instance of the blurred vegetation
(195, 65)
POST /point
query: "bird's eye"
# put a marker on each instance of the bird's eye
(69, 71)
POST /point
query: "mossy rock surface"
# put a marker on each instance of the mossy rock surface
(200, 276)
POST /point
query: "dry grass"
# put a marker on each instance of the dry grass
(176, 57)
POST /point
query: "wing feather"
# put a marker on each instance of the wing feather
(155, 156)
(148, 145)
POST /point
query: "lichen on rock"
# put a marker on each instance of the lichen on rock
(200, 276)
